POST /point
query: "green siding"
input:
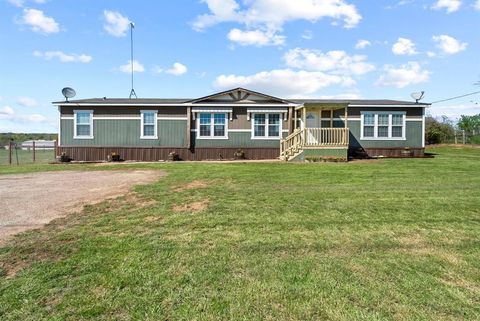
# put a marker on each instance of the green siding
(413, 137)
(238, 139)
(126, 133)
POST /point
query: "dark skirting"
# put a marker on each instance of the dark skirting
(151, 154)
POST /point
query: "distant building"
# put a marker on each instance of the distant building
(39, 144)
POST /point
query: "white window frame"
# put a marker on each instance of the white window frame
(212, 125)
(155, 123)
(267, 124)
(390, 125)
(75, 136)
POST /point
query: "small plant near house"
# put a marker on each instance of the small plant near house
(173, 157)
(317, 159)
(239, 154)
(64, 158)
(115, 157)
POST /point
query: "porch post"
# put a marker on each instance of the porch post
(346, 117)
(304, 117)
(290, 127)
(331, 118)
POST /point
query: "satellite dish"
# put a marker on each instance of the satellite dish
(417, 96)
(68, 92)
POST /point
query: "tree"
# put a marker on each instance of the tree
(470, 124)
(437, 132)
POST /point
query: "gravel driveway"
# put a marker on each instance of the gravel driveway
(28, 201)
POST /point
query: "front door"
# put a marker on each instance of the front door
(313, 121)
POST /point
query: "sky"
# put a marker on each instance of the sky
(191, 48)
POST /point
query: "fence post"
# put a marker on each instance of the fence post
(463, 135)
(10, 152)
(33, 146)
(55, 149)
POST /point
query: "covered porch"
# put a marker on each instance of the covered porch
(320, 128)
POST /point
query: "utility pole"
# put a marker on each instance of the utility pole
(132, 92)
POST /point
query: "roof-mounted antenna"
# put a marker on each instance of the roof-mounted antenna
(132, 92)
(68, 92)
(417, 96)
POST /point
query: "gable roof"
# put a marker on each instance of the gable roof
(240, 95)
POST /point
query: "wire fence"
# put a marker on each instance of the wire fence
(17, 154)
(464, 137)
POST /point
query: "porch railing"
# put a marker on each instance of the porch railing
(313, 137)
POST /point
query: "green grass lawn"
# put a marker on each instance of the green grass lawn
(378, 240)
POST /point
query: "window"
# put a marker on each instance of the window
(83, 127)
(369, 125)
(383, 125)
(149, 124)
(212, 125)
(267, 126)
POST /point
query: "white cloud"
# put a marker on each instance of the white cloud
(6, 110)
(63, 57)
(431, 54)
(7, 113)
(127, 68)
(405, 75)
(477, 5)
(115, 24)
(27, 102)
(449, 45)
(269, 16)
(255, 37)
(283, 82)
(362, 44)
(335, 62)
(449, 5)
(177, 69)
(404, 46)
(21, 3)
(351, 96)
(307, 34)
(39, 22)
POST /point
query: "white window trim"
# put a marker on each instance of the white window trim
(375, 126)
(280, 130)
(155, 123)
(212, 124)
(75, 136)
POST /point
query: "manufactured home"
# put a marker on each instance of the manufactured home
(224, 124)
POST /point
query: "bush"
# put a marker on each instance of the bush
(437, 132)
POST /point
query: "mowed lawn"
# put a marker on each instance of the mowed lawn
(368, 240)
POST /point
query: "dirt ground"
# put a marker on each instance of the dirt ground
(29, 201)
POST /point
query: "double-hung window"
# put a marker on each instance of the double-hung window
(212, 125)
(267, 126)
(83, 127)
(383, 125)
(149, 124)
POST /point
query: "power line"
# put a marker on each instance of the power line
(457, 97)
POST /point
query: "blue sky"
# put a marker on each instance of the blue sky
(190, 48)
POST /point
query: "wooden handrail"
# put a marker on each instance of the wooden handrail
(313, 137)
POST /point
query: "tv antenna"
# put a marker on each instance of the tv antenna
(68, 92)
(417, 96)
(132, 26)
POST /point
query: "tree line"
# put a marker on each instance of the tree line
(5, 138)
(443, 130)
